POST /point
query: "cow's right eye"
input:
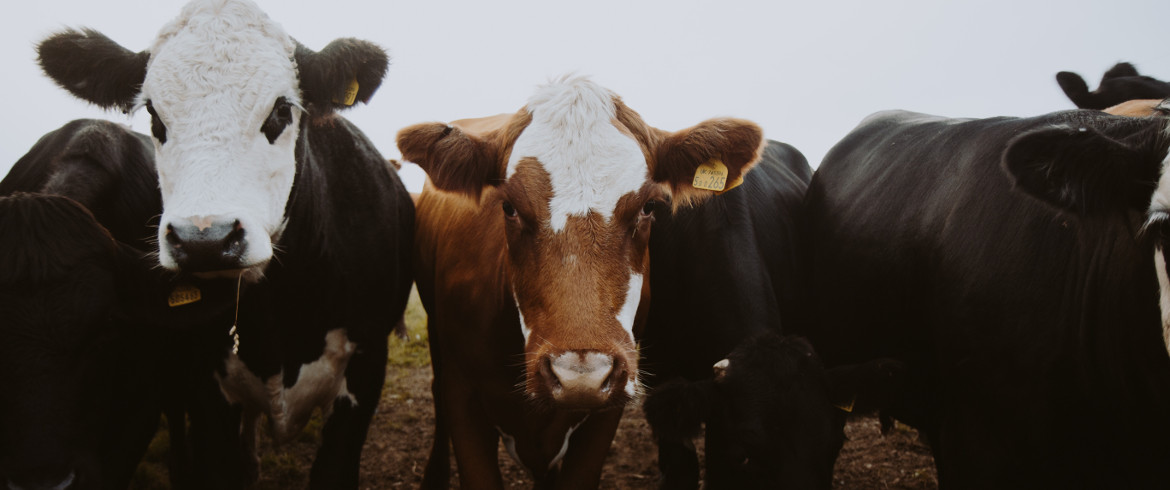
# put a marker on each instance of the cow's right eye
(509, 210)
(157, 128)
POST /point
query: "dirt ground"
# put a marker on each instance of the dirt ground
(399, 442)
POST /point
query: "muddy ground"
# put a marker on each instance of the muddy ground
(399, 442)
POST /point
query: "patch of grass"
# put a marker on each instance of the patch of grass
(411, 351)
(152, 472)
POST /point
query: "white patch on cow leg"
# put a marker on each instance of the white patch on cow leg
(1164, 296)
(318, 384)
(590, 162)
(565, 446)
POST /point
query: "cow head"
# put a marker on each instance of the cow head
(229, 95)
(577, 178)
(774, 415)
(1106, 167)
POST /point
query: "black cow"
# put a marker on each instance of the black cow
(774, 415)
(88, 330)
(1013, 265)
(1120, 84)
(264, 184)
(721, 272)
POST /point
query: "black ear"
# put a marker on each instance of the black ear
(1075, 88)
(676, 409)
(94, 68)
(865, 387)
(347, 71)
(1120, 70)
(1081, 170)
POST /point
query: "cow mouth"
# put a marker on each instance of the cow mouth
(249, 274)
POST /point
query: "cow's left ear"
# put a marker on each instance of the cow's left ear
(1079, 169)
(707, 158)
(94, 68)
(346, 72)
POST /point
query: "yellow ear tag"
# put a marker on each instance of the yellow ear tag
(184, 294)
(735, 183)
(350, 94)
(711, 176)
(847, 408)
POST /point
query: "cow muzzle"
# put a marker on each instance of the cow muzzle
(206, 243)
(583, 379)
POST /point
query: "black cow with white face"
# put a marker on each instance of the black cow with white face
(88, 332)
(774, 415)
(263, 183)
(1017, 267)
(1120, 84)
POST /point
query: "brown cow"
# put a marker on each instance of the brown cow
(531, 261)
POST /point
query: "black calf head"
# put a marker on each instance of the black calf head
(1121, 83)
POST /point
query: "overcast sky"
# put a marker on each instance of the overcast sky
(806, 71)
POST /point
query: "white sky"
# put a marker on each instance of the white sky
(806, 71)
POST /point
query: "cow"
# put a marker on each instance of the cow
(531, 261)
(1121, 83)
(774, 416)
(84, 281)
(1016, 267)
(263, 183)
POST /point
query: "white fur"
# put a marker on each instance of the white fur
(318, 384)
(1160, 206)
(591, 163)
(213, 76)
(565, 445)
(626, 318)
(524, 330)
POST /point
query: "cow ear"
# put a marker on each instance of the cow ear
(1081, 170)
(725, 148)
(346, 72)
(453, 159)
(677, 409)
(874, 385)
(94, 68)
(1119, 70)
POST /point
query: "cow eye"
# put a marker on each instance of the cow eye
(278, 119)
(157, 128)
(509, 210)
(648, 208)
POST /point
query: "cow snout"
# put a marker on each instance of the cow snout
(579, 379)
(205, 244)
(43, 483)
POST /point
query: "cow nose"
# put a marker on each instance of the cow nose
(583, 379)
(206, 243)
(52, 483)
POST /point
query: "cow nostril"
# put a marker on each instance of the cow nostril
(547, 373)
(233, 245)
(172, 237)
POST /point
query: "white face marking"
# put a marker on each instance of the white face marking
(524, 330)
(213, 77)
(591, 163)
(626, 318)
(318, 384)
(1160, 205)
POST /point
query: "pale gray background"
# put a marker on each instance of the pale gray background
(806, 71)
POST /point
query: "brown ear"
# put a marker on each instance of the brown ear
(453, 159)
(735, 143)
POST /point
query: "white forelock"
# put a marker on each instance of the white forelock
(572, 135)
(213, 76)
(1159, 207)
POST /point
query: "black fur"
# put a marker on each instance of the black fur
(94, 68)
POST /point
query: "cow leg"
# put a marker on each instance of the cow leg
(215, 438)
(438, 471)
(679, 464)
(475, 440)
(179, 455)
(339, 458)
(588, 448)
(249, 459)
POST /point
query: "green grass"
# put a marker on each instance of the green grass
(411, 351)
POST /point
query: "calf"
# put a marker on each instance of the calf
(532, 263)
(1015, 266)
(1121, 83)
(1141, 108)
(263, 183)
(774, 416)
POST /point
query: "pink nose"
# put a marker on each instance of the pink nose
(583, 379)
